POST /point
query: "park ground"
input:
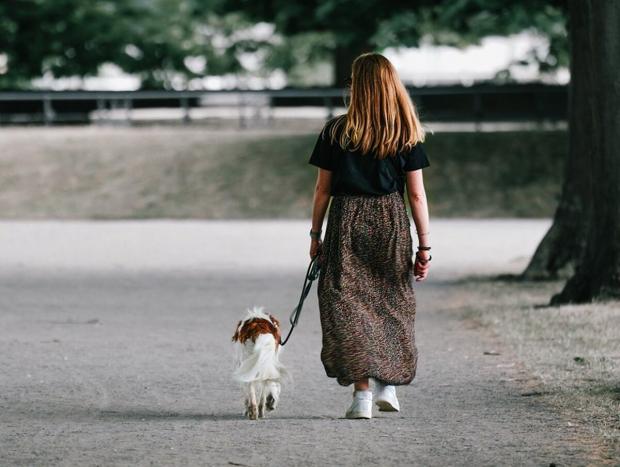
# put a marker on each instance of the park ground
(193, 172)
(115, 349)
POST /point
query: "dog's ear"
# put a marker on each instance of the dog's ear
(235, 336)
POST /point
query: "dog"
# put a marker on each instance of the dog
(257, 361)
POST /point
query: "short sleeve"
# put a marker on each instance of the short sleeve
(416, 158)
(322, 153)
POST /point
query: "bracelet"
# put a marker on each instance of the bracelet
(424, 248)
(423, 261)
(316, 235)
(423, 233)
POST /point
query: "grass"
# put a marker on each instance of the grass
(192, 172)
(573, 350)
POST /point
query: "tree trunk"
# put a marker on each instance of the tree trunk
(343, 59)
(598, 272)
(562, 247)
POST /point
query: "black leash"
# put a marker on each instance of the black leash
(311, 274)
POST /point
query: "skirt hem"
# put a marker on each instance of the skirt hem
(399, 382)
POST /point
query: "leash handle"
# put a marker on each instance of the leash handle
(311, 274)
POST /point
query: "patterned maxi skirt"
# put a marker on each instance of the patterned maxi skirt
(365, 291)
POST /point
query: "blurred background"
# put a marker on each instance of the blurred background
(200, 109)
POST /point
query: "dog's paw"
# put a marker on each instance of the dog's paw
(252, 413)
(270, 402)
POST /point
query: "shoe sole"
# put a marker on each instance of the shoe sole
(357, 417)
(385, 406)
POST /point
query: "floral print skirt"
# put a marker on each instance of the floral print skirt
(365, 291)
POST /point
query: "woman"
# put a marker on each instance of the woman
(366, 298)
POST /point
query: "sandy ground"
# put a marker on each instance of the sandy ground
(461, 247)
(115, 349)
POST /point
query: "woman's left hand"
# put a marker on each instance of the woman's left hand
(421, 265)
(315, 247)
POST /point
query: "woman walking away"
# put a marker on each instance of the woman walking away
(365, 287)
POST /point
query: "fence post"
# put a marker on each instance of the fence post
(270, 111)
(477, 111)
(242, 122)
(48, 110)
(185, 106)
(327, 101)
(100, 110)
(128, 108)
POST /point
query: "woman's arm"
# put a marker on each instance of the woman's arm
(419, 212)
(322, 195)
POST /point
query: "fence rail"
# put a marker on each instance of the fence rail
(477, 104)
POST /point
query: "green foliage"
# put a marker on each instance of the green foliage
(301, 56)
(461, 23)
(167, 42)
(153, 39)
(64, 37)
(381, 24)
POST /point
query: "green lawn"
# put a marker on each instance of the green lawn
(191, 172)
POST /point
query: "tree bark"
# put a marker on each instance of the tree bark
(597, 275)
(562, 247)
(344, 54)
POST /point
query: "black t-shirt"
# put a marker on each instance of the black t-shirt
(354, 173)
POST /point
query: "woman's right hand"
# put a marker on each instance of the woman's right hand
(421, 265)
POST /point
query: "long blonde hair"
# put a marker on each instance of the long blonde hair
(381, 117)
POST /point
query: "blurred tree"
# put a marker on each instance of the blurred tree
(360, 26)
(73, 38)
(154, 39)
(64, 37)
(167, 42)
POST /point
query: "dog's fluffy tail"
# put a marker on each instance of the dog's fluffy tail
(262, 363)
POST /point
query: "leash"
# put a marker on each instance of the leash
(311, 274)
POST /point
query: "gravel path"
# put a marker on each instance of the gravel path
(115, 365)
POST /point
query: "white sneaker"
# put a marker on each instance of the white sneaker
(386, 398)
(361, 406)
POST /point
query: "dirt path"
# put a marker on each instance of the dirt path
(132, 367)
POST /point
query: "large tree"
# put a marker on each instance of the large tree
(559, 252)
(584, 240)
(594, 128)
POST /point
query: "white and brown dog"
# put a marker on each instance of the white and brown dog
(257, 363)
